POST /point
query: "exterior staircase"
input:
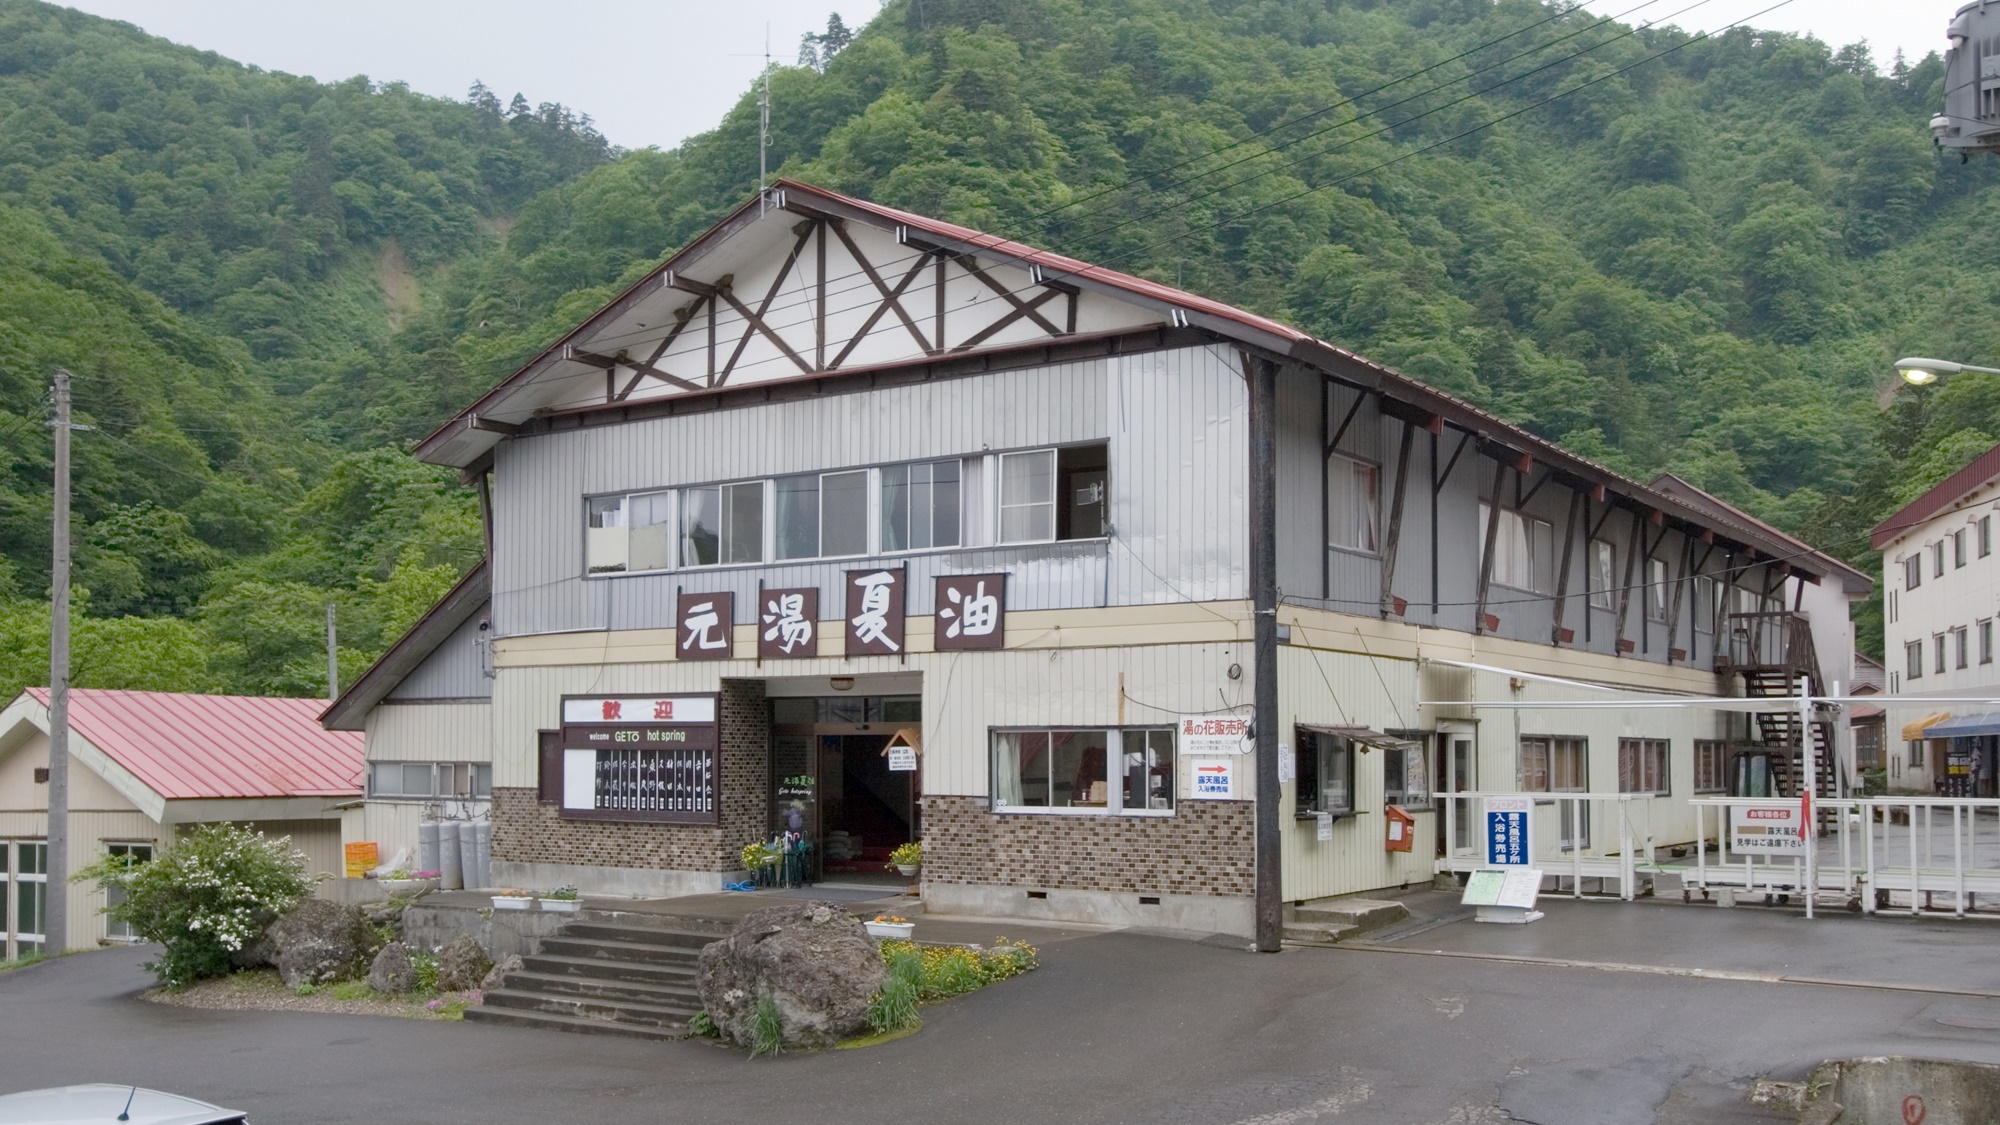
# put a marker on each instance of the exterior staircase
(1772, 651)
(1327, 921)
(607, 974)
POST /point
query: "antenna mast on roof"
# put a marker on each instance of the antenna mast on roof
(764, 125)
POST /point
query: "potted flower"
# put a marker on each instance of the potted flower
(758, 854)
(512, 899)
(907, 858)
(890, 926)
(427, 880)
(562, 900)
(398, 881)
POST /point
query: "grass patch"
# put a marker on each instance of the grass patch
(34, 957)
(262, 990)
(767, 1028)
(875, 1039)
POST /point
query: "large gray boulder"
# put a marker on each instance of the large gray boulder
(318, 942)
(462, 964)
(393, 971)
(813, 959)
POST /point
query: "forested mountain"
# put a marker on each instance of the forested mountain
(1666, 252)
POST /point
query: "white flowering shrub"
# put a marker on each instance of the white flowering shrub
(208, 896)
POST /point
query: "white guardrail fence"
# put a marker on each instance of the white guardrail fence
(1906, 854)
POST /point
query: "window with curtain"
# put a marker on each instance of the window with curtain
(1353, 504)
(1523, 550)
(1603, 574)
(1069, 770)
(920, 506)
(1642, 765)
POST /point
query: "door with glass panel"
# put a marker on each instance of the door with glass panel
(30, 894)
(1458, 772)
(134, 854)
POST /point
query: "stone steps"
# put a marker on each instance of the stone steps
(1327, 921)
(550, 1021)
(622, 974)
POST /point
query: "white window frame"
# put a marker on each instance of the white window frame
(1604, 571)
(1913, 659)
(18, 882)
(115, 930)
(1514, 550)
(1001, 507)
(878, 492)
(1655, 766)
(475, 771)
(1353, 504)
(869, 486)
(1114, 750)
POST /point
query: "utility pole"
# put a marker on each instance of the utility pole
(55, 924)
(1263, 377)
(332, 657)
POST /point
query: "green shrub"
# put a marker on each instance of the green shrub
(206, 897)
(767, 1028)
(702, 1026)
(895, 1007)
(427, 971)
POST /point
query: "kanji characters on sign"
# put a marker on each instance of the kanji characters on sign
(971, 611)
(874, 612)
(707, 626)
(788, 623)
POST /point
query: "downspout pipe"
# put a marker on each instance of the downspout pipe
(1263, 376)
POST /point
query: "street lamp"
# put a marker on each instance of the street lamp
(1920, 372)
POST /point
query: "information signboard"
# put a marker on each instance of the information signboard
(1508, 824)
(1766, 829)
(902, 759)
(1213, 734)
(1214, 779)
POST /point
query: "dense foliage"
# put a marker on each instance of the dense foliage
(1701, 261)
(208, 896)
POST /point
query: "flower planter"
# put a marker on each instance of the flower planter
(562, 905)
(407, 886)
(909, 870)
(511, 902)
(900, 931)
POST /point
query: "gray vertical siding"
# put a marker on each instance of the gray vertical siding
(1174, 421)
(456, 669)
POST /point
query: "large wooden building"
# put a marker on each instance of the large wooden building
(840, 489)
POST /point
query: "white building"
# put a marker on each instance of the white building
(1941, 577)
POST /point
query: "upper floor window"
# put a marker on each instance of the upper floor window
(1656, 589)
(1603, 574)
(1938, 666)
(1958, 558)
(920, 506)
(1985, 526)
(1913, 572)
(1523, 550)
(1913, 657)
(1035, 496)
(1937, 559)
(1986, 641)
(1353, 499)
(430, 780)
(1704, 604)
(1960, 646)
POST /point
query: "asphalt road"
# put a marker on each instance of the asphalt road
(1115, 1027)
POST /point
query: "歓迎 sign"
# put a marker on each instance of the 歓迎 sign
(707, 626)
(638, 709)
(637, 758)
(1506, 822)
(1214, 779)
(971, 612)
(1213, 734)
(1767, 829)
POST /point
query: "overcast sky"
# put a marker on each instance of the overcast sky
(654, 73)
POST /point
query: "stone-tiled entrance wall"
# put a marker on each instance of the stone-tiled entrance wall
(528, 831)
(1204, 849)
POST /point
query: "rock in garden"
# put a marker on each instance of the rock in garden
(815, 961)
(497, 975)
(393, 972)
(462, 964)
(320, 941)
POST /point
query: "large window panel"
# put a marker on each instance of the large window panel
(1353, 499)
(920, 506)
(1069, 770)
(1148, 770)
(1523, 550)
(1643, 765)
(843, 514)
(701, 526)
(651, 519)
(798, 516)
(606, 539)
(743, 523)
(1325, 773)
(1028, 496)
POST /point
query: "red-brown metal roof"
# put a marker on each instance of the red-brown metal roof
(192, 747)
(1947, 492)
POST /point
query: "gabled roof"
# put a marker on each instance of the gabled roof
(457, 606)
(650, 317)
(201, 747)
(1852, 580)
(1940, 498)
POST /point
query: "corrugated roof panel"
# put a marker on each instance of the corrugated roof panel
(188, 747)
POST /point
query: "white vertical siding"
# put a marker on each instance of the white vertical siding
(430, 732)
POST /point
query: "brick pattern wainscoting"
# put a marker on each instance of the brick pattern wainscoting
(527, 831)
(1205, 848)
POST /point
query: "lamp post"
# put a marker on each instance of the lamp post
(1918, 371)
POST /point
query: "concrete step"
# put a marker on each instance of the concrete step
(550, 1021)
(1359, 914)
(665, 995)
(1320, 934)
(645, 972)
(622, 931)
(653, 953)
(592, 1007)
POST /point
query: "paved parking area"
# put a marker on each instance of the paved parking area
(1118, 1027)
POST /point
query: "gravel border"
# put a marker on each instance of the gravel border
(261, 990)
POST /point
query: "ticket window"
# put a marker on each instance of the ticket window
(1325, 773)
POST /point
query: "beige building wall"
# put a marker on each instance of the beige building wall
(99, 815)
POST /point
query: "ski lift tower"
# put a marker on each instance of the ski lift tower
(1970, 120)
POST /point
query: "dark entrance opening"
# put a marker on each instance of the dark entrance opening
(830, 768)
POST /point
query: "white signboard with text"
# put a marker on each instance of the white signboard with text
(628, 710)
(1214, 779)
(1766, 829)
(1201, 735)
(902, 759)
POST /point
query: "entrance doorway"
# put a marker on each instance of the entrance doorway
(831, 773)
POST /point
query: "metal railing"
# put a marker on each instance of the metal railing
(1578, 836)
(1770, 638)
